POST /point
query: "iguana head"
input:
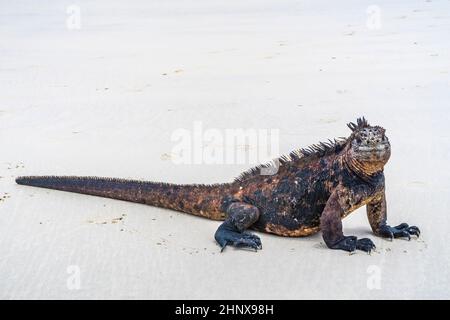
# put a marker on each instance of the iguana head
(368, 146)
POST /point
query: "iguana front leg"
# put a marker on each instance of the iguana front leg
(377, 214)
(233, 230)
(331, 226)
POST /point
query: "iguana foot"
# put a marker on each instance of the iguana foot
(351, 243)
(233, 230)
(226, 236)
(401, 231)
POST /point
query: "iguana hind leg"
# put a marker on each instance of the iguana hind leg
(233, 230)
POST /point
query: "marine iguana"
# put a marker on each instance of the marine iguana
(313, 189)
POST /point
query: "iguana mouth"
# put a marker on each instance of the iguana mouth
(377, 148)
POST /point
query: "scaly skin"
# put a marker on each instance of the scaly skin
(313, 189)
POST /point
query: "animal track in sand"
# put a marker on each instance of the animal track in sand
(4, 196)
(170, 156)
(112, 221)
(18, 165)
(417, 183)
(327, 120)
(166, 156)
(177, 71)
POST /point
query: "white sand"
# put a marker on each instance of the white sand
(95, 101)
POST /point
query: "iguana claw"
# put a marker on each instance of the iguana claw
(351, 243)
(401, 231)
(239, 240)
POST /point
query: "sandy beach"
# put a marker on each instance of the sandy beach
(98, 89)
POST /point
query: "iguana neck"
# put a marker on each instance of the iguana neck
(367, 171)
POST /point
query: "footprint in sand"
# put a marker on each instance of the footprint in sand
(112, 221)
(327, 120)
(4, 196)
(11, 166)
(166, 156)
(417, 183)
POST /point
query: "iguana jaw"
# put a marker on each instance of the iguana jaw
(378, 149)
(373, 157)
(367, 163)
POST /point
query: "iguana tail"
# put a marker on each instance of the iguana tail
(200, 200)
